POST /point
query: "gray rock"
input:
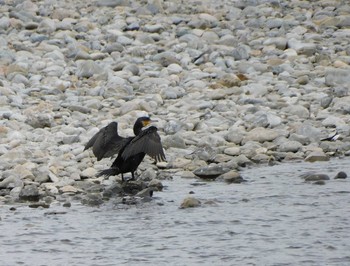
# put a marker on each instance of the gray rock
(92, 199)
(341, 175)
(290, 146)
(233, 177)
(335, 76)
(260, 134)
(146, 193)
(29, 193)
(279, 42)
(175, 141)
(316, 156)
(341, 105)
(4, 23)
(235, 135)
(89, 68)
(11, 182)
(210, 172)
(40, 120)
(46, 26)
(297, 110)
(307, 49)
(241, 52)
(315, 177)
(157, 184)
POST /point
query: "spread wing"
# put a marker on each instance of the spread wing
(148, 141)
(106, 142)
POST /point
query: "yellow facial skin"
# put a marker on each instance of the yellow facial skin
(146, 122)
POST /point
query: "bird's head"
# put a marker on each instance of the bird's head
(145, 121)
(140, 123)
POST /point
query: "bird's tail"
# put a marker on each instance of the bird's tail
(109, 172)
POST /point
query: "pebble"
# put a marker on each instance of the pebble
(230, 86)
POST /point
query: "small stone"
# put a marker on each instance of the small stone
(190, 202)
(341, 175)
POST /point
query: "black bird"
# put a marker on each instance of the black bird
(130, 150)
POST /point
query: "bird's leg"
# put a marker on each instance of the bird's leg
(132, 176)
(123, 178)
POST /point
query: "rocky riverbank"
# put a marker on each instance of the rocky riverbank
(231, 83)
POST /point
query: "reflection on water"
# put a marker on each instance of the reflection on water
(273, 219)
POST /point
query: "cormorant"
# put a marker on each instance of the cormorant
(131, 150)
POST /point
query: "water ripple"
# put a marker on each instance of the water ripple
(276, 220)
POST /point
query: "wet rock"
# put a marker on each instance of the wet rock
(39, 204)
(29, 193)
(146, 193)
(114, 190)
(156, 184)
(316, 156)
(92, 199)
(210, 172)
(315, 177)
(233, 177)
(67, 204)
(341, 175)
(190, 202)
(133, 187)
(319, 182)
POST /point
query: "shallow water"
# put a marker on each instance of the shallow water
(273, 219)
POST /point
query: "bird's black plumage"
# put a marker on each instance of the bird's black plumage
(130, 150)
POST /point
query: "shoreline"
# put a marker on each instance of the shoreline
(230, 83)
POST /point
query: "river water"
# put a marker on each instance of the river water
(275, 218)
